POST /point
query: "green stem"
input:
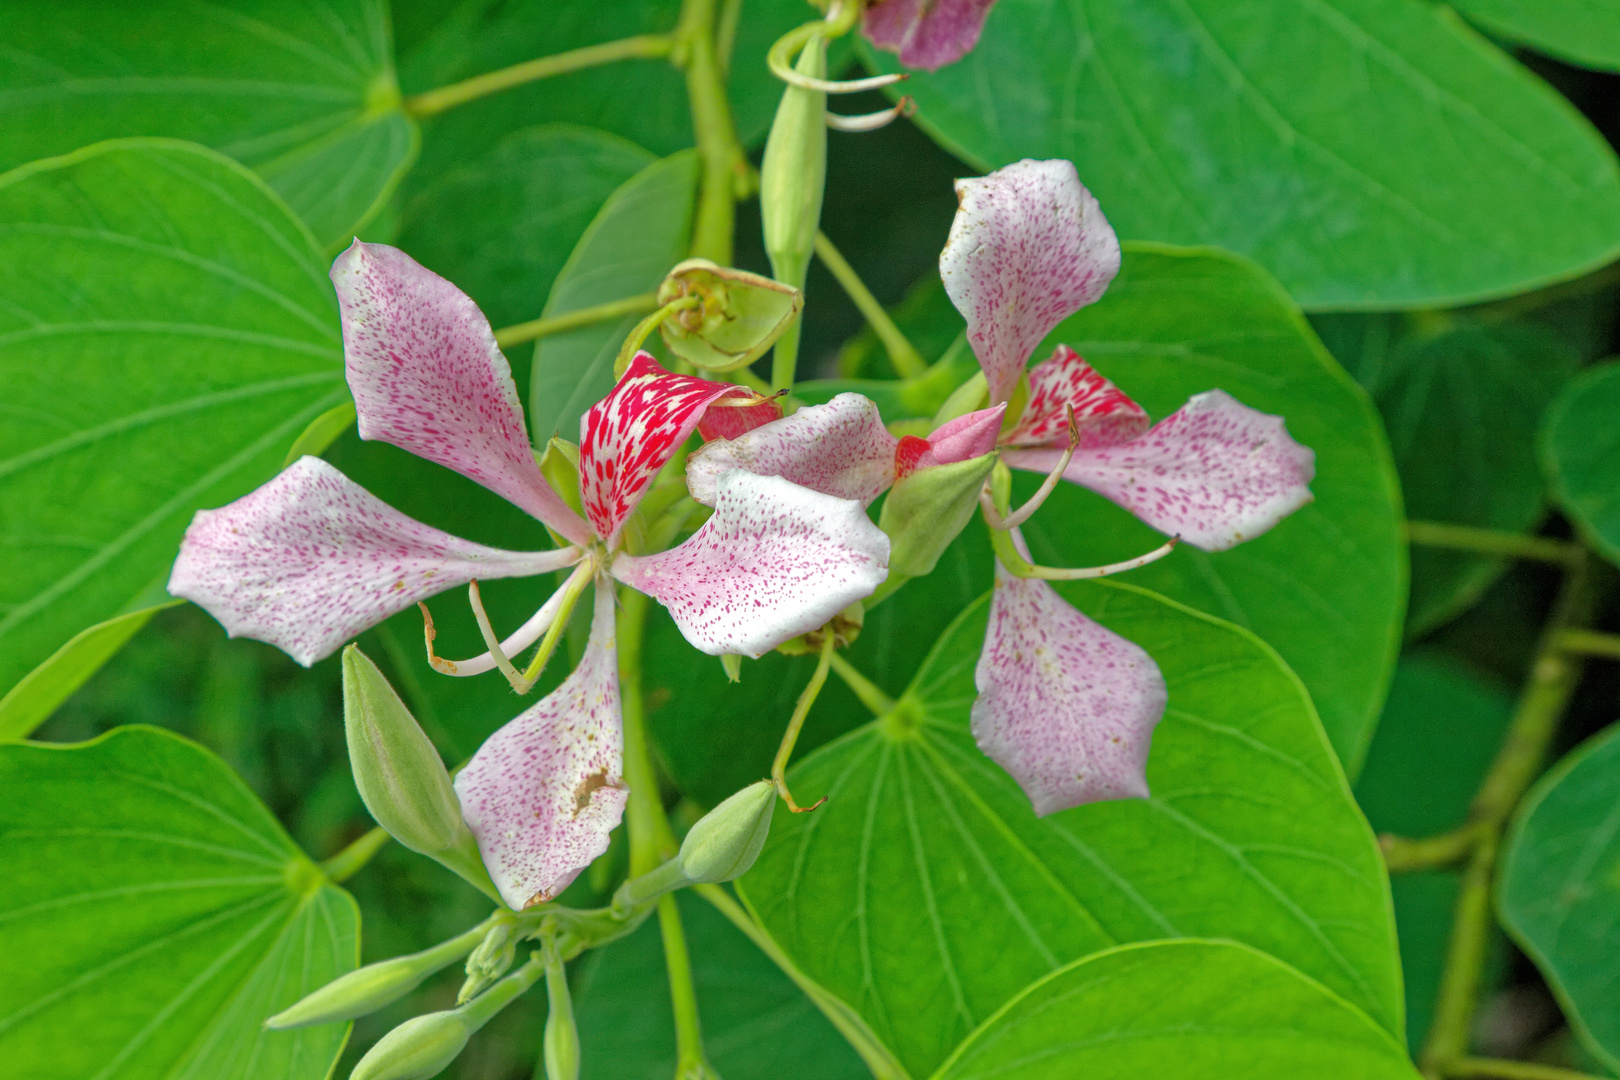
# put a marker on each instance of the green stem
(785, 355)
(907, 361)
(725, 35)
(801, 710)
(642, 47)
(1491, 542)
(573, 320)
(873, 698)
(717, 145)
(1590, 643)
(689, 1059)
(1486, 1068)
(1403, 855)
(346, 863)
(1552, 679)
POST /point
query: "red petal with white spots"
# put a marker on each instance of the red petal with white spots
(1103, 413)
(543, 793)
(1066, 706)
(775, 561)
(724, 420)
(310, 559)
(1215, 472)
(1029, 247)
(840, 448)
(927, 33)
(427, 377)
(627, 436)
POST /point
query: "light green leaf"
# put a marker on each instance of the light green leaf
(1195, 1010)
(1580, 31)
(1560, 884)
(155, 913)
(640, 232)
(167, 331)
(1580, 451)
(1369, 153)
(321, 433)
(926, 894)
(1327, 585)
(304, 95)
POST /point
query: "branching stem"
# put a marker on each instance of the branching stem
(907, 361)
(873, 698)
(720, 153)
(535, 329)
(1491, 542)
(796, 723)
(643, 46)
(348, 862)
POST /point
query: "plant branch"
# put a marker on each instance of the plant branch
(829, 643)
(907, 361)
(1491, 542)
(689, 1057)
(641, 47)
(535, 329)
(1402, 855)
(1486, 1068)
(718, 149)
(1590, 643)
(348, 862)
(873, 698)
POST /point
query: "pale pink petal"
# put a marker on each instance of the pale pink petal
(840, 448)
(1066, 706)
(627, 436)
(724, 420)
(1104, 414)
(776, 560)
(310, 559)
(1215, 472)
(970, 436)
(927, 33)
(543, 793)
(427, 377)
(1029, 247)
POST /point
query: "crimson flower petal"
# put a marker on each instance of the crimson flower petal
(310, 559)
(927, 34)
(776, 560)
(543, 793)
(723, 420)
(1029, 247)
(1104, 414)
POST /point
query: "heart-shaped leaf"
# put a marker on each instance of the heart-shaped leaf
(1580, 450)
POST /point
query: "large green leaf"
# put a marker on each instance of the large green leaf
(640, 232)
(1363, 151)
(1560, 887)
(167, 331)
(926, 894)
(1581, 31)
(155, 913)
(1580, 449)
(305, 95)
(1195, 1010)
(1327, 585)
(756, 1023)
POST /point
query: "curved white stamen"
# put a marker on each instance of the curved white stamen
(521, 639)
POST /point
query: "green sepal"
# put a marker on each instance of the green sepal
(741, 314)
(927, 509)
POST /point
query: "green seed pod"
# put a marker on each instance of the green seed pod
(794, 172)
(419, 1048)
(740, 316)
(926, 510)
(727, 840)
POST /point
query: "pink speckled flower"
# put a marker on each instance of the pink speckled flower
(927, 33)
(310, 559)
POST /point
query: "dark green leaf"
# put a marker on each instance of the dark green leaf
(168, 330)
(1580, 450)
(1560, 883)
(926, 894)
(1195, 1010)
(1580, 31)
(303, 95)
(155, 914)
(1363, 151)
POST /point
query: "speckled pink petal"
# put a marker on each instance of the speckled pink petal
(627, 436)
(970, 436)
(310, 559)
(543, 793)
(1029, 247)
(1215, 472)
(427, 377)
(840, 448)
(1103, 413)
(927, 33)
(723, 420)
(1066, 706)
(775, 561)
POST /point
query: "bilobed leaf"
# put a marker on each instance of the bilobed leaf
(155, 913)
(1560, 884)
(1361, 150)
(641, 231)
(168, 331)
(1326, 586)
(303, 94)
(1195, 1010)
(1580, 451)
(1580, 31)
(926, 894)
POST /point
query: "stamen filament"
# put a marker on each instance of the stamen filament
(874, 120)
(796, 724)
(519, 640)
(494, 643)
(1018, 566)
(1027, 511)
(571, 590)
(838, 22)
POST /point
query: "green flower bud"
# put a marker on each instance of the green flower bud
(559, 464)
(794, 172)
(741, 314)
(926, 510)
(489, 960)
(727, 840)
(419, 1048)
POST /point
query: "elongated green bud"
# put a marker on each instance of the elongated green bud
(794, 172)
(926, 510)
(419, 1048)
(727, 840)
(561, 1043)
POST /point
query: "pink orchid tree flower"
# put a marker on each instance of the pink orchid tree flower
(926, 34)
(311, 559)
